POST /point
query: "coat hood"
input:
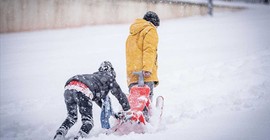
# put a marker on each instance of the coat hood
(139, 25)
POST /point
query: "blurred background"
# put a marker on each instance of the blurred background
(30, 15)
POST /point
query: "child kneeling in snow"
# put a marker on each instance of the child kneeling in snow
(81, 90)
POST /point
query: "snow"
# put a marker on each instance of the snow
(214, 76)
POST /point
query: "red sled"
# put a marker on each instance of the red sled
(138, 101)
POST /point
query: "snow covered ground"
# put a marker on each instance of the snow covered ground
(214, 75)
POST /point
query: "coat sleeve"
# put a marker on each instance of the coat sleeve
(121, 97)
(150, 49)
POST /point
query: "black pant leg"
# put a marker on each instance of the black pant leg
(71, 105)
(85, 109)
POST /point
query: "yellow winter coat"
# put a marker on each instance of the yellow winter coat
(141, 51)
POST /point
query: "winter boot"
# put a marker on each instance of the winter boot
(60, 133)
(58, 136)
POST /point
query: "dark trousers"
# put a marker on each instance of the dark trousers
(74, 100)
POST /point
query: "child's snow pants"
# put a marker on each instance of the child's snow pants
(74, 100)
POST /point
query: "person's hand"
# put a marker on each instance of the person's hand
(128, 114)
(146, 74)
(124, 115)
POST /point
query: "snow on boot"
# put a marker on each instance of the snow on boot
(80, 135)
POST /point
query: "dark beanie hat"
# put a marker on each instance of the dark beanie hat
(152, 17)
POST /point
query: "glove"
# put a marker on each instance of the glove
(124, 115)
(128, 114)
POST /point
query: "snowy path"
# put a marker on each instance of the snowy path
(214, 75)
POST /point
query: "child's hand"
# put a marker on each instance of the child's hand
(124, 115)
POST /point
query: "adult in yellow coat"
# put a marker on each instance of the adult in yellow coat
(141, 50)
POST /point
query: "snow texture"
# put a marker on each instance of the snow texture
(214, 76)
